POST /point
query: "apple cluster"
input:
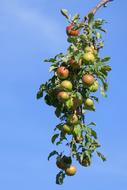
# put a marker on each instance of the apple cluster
(72, 91)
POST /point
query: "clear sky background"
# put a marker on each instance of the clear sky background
(31, 31)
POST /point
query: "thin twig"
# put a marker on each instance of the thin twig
(102, 3)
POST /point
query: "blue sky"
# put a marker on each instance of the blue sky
(31, 31)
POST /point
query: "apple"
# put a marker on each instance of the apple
(74, 64)
(62, 72)
(73, 119)
(71, 171)
(63, 96)
(77, 102)
(90, 49)
(77, 132)
(88, 79)
(66, 85)
(94, 86)
(89, 57)
(89, 103)
(67, 129)
(79, 139)
(71, 31)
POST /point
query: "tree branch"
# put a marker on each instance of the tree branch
(102, 3)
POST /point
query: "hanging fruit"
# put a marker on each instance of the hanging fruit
(78, 75)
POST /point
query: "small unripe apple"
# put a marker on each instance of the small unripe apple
(94, 86)
(89, 103)
(74, 64)
(63, 96)
(90, 49)
(62, 72)
(67, 129)
(67, 85)
(77, 102)
(79, 139)
(89, 57)
(73, 119)
(88, 79)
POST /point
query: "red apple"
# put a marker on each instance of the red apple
(88, 79)
(63, 96)
(74, 64)
(71, 31)
(62, 72)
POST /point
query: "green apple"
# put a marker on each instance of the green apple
(67, 129)
(89, 103)
(89, 57)
(63, 96)
(67, 85)
(73, 119)
(94, 86)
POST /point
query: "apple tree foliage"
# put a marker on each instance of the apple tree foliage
(73, 131)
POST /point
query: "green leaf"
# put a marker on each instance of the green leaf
(78, 57)
(106, 59)
(48, 100)
(67, 160)
(77, 130)
(101, 44)
(93, 133)
(40, 92)
(64, 12)
(71, 39)
(95, 98)
(101, 156)
(98, 24)
(54, 138)
(90, 18)
(59, 109)
(76, 17)
(87, 153)
(58, 56)
(60, 178)
(78, 95)
(98, 35)
(58, 112)
(53, 67)
(53, 153)
(96, 144)
(91, 124)
(51, 60)
(106, 68)
(69, 103)
(101, 29)
(102, 91)
(105, 84)
(62, 137)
